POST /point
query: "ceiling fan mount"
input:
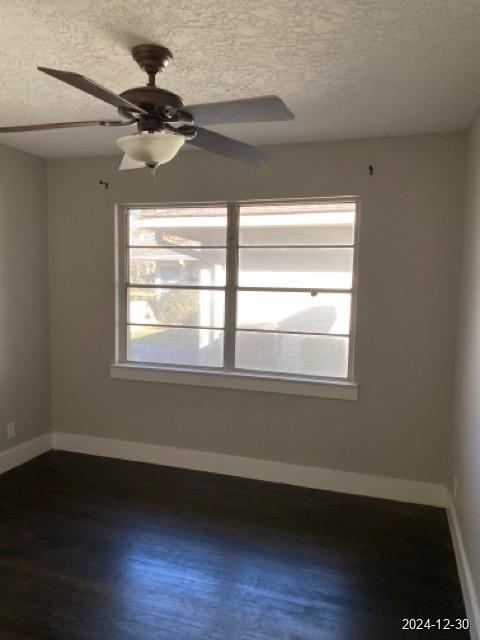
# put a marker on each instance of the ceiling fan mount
(163, 114)
(152, 58)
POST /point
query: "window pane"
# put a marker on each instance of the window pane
(177, 266)
(290, 224)
(195, 347)
(289, 353)
(203, 308)
(284, 268)
(185, 226)
(323, 313)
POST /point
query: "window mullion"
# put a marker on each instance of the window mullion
(231, 287)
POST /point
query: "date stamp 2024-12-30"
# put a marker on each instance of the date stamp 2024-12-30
(442, 624)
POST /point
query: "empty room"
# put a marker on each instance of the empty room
(240, 320)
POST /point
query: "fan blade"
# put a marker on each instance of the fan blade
(92, 88)
(264, 109)
(59, 125)
(128, 163)
(228, 147)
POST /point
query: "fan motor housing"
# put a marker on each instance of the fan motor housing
(152, 99)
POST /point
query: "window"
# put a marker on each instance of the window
(250, 288)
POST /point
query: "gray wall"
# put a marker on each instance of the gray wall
(24, 369)
(408, 277)
(466, 462)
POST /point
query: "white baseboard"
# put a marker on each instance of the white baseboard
(24, 452)
(472, 602)
(312, 477)
(254, 468)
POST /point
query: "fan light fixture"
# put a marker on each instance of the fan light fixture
(151, 149)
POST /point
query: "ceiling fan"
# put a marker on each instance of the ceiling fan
(163, 122)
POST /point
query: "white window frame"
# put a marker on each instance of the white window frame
(229, 376)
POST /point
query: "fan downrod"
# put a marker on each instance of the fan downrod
(152, 58)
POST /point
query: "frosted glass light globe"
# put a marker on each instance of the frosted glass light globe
(151, 149)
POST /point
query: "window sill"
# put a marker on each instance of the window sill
(338, 390)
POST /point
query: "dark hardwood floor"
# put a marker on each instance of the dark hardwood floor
(100, 549)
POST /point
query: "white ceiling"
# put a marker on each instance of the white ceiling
(347, 68)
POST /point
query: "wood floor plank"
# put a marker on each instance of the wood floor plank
(100, 549)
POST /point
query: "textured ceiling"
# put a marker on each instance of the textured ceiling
(347, 68)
